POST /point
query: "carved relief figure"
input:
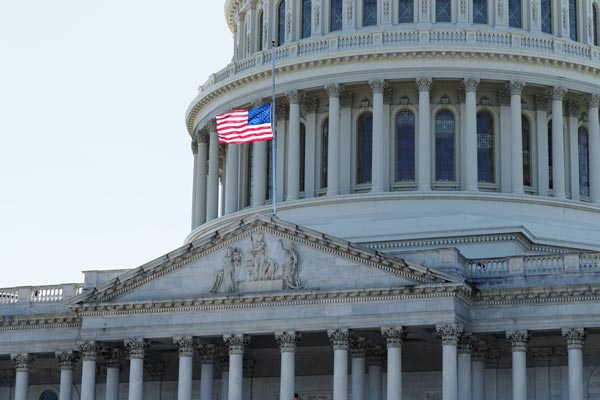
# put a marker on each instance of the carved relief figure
(258, 266)
(226, 277)
(290, 269)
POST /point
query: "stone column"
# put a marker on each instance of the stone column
(516, 88)
(464, 367)
(236, 343)
(358, 352)
(573, 139)
(541, 358)
(339, 340)
(378, 150)
(66, 361)
(374, 363)
(88, 352)
(136, 348)
(200, 204)
(333, 152)
(112, 359)
(575, 338)
(345, 168)
(558, 143)
(518, 341)
(185, 346)
(22, 363)
(449, 334)
(394, 337)
(283, 116)
(594, 147)
(287, 344)
(212, 190)
(260, 165)
(310, 146)
(231, 183)
(195, 183)
(208, 353)
(541, 105)
(505, 145)
(471, 170)
(424, 135)
(478, 349)
(293, 170)
(224, 365)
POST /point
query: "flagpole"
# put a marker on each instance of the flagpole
(274, 129)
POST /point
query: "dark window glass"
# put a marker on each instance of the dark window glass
(584, 162)
(406, 11)
(324, 150)
(249, 172)
(364, 148)
(550, 155)
(485, 147)
(269, 169)
(480, 11)
(405, 146)
(547, 16)
(595, 24)
(514, 13)
(260, 31)
(49, 395)
(444, 147)
(573, 19)
(302, 155)
(526, 135)
(306, 18)
(369, 12)
(281, 22)
(443, 11)
(335, 22)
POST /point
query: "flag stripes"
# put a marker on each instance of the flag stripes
(245, 126)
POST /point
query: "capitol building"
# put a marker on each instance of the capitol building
(437, 234)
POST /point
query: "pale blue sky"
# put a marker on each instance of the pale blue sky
(95, 161)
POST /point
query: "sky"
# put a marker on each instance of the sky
(95, 159)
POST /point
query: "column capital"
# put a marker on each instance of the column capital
(333, 90)
(471, 84)
(66, 359)
(287, 341)
(394, 336)
(185, 345)
(542, 102)
(194, 146)
(358, 346)
(89, 350)
(294, 96)
(339, 338)
(208, 352)
(22, 361)
(449, 333)
(518, 340)
(236, 343)
(592, 100)
(558, 93)
(113, 357)
(424, 84)
(311, 105)
(575, 337)
(346, 98)
(465, 343)
(515, 88)
(541, 356)
(377, 86)
(136, 347)
(375, 355)
(201, 136)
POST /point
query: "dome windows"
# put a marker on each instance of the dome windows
(546, 16)
(573, 20)
(584, 162)
(485, 147)
(364, 148)
(306, 18)
(405, 147)
(443, 11)
(369, 12)
(515, 19)
(526, 135)
(445, 146)
(324, 153)
(335, 15)
(480, 11)
(281, 22)
(406, 11)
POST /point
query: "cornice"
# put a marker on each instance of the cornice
(537, 295)
(39, 321)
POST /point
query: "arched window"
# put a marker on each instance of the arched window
(48, 395)
(573, 19)
(261, 38)
(584, 162)
(526, 135)
(369, 12)
(364, 148)
(514, 14)
(281, 22)
(595, 24)
(406, 11)
(335, 15)
(551, 183)
(480, 11)
(324, 150)
(405, 146)
(485, 147)
(302, 155)
(306, 18)
(443, 11)
(546, 16)
(445, 166)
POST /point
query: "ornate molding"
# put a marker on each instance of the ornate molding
(515, 88)
(449, 333)
(236, 343)
(185, 345)
(208, 352)
(504, 97)
(294, 96)
(575, 338)
(518, 340)
(113, 357)
(358, 346)
(592, 100)
(424, 84)
(394, 336)
(136, 347)
(333, 90)
(537, 295)
(311, 105)
(66, 359)
(346, 99)
(40, 321)
(572, 108)
(471, 85)
(558, 93)
(377, 86)
(542, 102)
(340, 338)
(287, 341)
(22, 361)
(89, 350)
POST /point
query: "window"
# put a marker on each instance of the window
(269, 169)
(369, 12)
(306, 18)
(445, 147)
(551, 185)
(526, 135)
(406, 11)
(405, 146)
(302, 155)
(335, 22)
(443, 11)
(595, 24)
(485, 147)
(584, 162)
(324, 150)
(573, 19)
(547, 16)
(281, 22)
(49, 395)
(514, 13)
(260, 31)
(480, 11)
(364, 148)
(249, 172)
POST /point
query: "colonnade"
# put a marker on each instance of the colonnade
(463, 365)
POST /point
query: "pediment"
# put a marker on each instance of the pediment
(262, 255)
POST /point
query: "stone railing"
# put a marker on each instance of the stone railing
(534, 265)
(39, 294)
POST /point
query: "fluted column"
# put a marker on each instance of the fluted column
(212, 189)
(207, 353)
(236, 343)
(88, 352)
(378, 150)
(287, 344)
(594, 147)
(345, 167)
(449, 334)
(575, 338)
(374, 363)
(558, 143)
(516, 88)
(478, 349)
(333, 146)
(310, 146)
(136, 348)
(572, 108)
(543, 178)
(424, 135)
(518, 341)
(358, 352)
(231, 183)
(471, 170)
(66, 361)
(195, 183)
(340, 340)
(464, 367)
(185, 345)
(505, 141)
(112, 359)
(293, 170)
(201, 194)
(22, 363)
(394, 336)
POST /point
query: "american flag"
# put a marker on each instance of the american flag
(245, 126)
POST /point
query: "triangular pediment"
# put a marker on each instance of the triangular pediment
(262, 255)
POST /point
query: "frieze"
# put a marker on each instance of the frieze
(10, 323)
(536, 295)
